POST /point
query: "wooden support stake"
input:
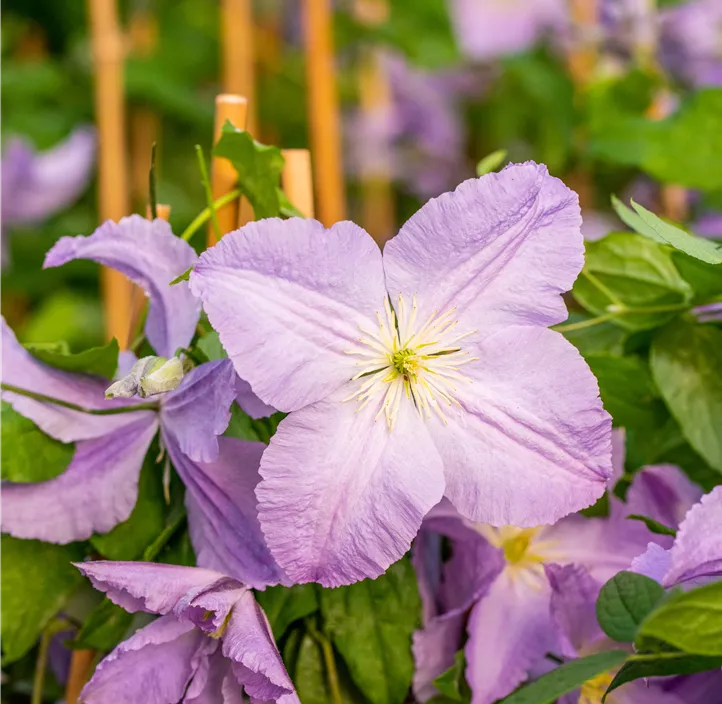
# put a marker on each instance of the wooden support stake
(81, 664)
(223, 176)
(324, 111)
(107, 45)
(238, 54)
(297, 181)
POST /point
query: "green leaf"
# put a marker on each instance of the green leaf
(604, 337)
(627, 390)
(626, 271)
(284, 605)
(129, 539)
(491, 162)
(210, 345)
(652, 525)
(102, 361)
(185, 276)
(241, 425)
(690, 621)
(648, 224)
(371, 623)
(287, 208)
(28, 454)
(686, 360)
(566, 678)
(259, 169)
(37, 579)
(705, 279)
(623, 603)
(451, 683)
(104, 628)
(662, 665)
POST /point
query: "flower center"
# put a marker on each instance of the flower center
(406, 359)
(515, 548)
(593, 690)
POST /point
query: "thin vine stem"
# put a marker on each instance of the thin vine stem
(150, 406)
(329, 662)
(41, 665)
(209, 191)
(611, 315)
(204, 216)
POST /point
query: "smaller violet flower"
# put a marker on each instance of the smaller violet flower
(696, 555)
(36, 185)
(211, 640)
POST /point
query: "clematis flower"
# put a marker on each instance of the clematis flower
(487, 29)
(35, 186)
(99, 488)
(696, 555)
(499, 574)
(211, 640)
(424, 372)
(573, 601)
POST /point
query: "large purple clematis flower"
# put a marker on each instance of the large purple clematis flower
(500, 574)
(574, 593)
(696, 555)
(487, 29)
(459, 389)
(211, 640)
(38, 185)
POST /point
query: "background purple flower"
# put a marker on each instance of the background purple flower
(36, 185)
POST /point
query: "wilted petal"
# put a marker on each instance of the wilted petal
(697, 549)
(499, 249)
(148, 586)
(21, 369)
(249, 402)
(223, 512)
(573, 607)
(342, 497)
(509, 631)
(199, 409)
(150, 255)
(302, 289)
(38, 185)
(530, 442)
(153, 666)
(249, 643)
(653, 563)
(97, 491)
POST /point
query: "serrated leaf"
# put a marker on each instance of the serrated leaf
(649, 225)
(284, 605)
(104, 628)
(689, 621)
(662, 665)
(566, 678)
(37, 578)
(626, 271)
(28, 454)
(652, 525)
(101, 361)
(258, 166)
(371, 624)
(623, 603)
(686, 360)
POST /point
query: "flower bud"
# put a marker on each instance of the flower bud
(165, 376)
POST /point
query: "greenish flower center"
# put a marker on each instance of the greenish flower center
(405, 362)
(515, 548)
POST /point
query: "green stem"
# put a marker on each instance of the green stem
(209, 191)
(40, 666)
(329, 661)
(594, 281)
(152, 185)
(591, 322)
(150, 406)
(205, 215)
(175, 521)
(582, 324)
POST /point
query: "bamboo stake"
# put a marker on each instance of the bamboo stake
(107, 44)
(81, 664)
(378, 211)
(223, 175)
(297, 181)
(238, 54)
(324, 111)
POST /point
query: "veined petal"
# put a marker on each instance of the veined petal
(217, 685)
(21, 369)
(199, 409)
(529, 442)
(500, 250)
(697, 549)
(342, 497)
(509, 632)
(249, 643)
(154, 666)
(249, 402)
(150, 255)
(434, 648)
(148, 586)
(223, 512)
(653, 563)
(302, 289)
(96, 492)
